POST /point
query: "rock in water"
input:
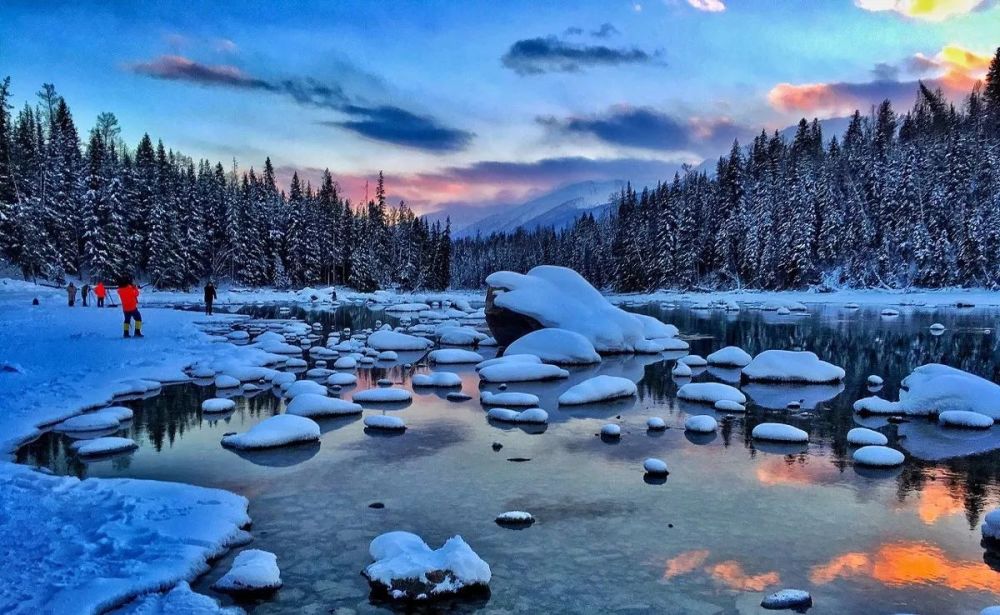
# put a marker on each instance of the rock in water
(787, 599)
(515, 519)
(507, 325)
(253, 571)
(406, 569)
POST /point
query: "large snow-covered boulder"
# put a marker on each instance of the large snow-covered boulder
(791, 366)
(406, 569)
(938, 388)
(275, 431)
(597, 389)
(549, 296)
(393, 340)
(557, 346)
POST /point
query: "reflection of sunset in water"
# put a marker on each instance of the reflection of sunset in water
(936, 501)
(732, 575)
(775, 470)
(684, 563)
(908, 563)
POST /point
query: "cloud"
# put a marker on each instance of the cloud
(386, 123)
(606, 30)
(898, 564)
(535, 56)
(926, 10)
(709, 6)
(648, 128)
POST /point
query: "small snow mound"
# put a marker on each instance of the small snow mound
(937, 327)
(728, 405)
(779, 432)
(341, 379)
(878, 456)
(557, 346)
(217, 404)
(876, 405)
(384, 421)
(787, 599)
(521, 372)
(275, 431)
(225, 381)
(610, 430)
(406, 569)
(103, 446)
(452, 356)
(437, 379)
(693, 360)
(861, 436)
(508, 358)
(730, 356)
(388, 355)
(991, 525)
(511, 398)
(792, 366)
(965, 419)
(701, 423)
(710, 392)
(874, 380)
(253, 570)
(655, 423)
(393, 340)
(313, 406)
(655, 467)
(100, 420)
(681, 370)
(597, 389)
(515, 518)
(345, 363)
(386, 395)
(534, 416)
(304, 387)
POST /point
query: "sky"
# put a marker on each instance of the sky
(475, 104)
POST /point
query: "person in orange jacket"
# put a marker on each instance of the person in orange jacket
(100, 292)
(129, 295)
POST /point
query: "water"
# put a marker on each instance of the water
(732, 520)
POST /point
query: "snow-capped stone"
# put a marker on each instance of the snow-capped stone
(103, 446)
(791, 366)
(515, 518)
(452, 356)
(316, 406)
(991, 525)
(878, 456)
(302, 387)
(730, 356)
(937, 327)
(701, 423)
(488, 341)
(890, 312)
(275, 431)
(238, 335)
(783, 311)
(874, 380)
(521, 372)
(394, 340)
(437, 379)
(965, 419)
(939, 388)
(384, 421)
(406, 569)
(318, 372)
(861, 436)
(386, 395)
(557, 346)
(710, 392)
(388, 355)
(728, 405)
(693, 360)
(655, 467)
(535, 416)
(458, 336)
(510, 398)
(225, 381)
(681, 370)
(457, 396)
(610, 430)
(217, 404)
(341, 379)
(504, 415)
(787, 599)
(597, 389)
(253, 570)
(655, 423)
(508, 358)
(346, 362)
(100, 420)
(779, 432)
(295, 363)
(876, 405)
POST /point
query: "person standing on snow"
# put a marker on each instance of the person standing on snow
(100, 292)
(210, 296)
(71, 294)
(129, 295)
(84, 293)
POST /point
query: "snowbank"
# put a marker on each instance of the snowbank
(557, 346)
(179, 600)
(405, 568)
(791, 366)
(710, 393)
(596, 389)
(317, 406)
(275, 431)
(253, 570)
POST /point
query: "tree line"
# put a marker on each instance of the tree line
(104, 211)
(899, 200)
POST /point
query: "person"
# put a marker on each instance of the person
(128, 293)
(210, 296)
(100, 292)
(71, 294)
(84, 293)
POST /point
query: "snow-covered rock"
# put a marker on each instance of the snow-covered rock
(965, 419)
(611, 431)
(779, 432)
(388, 355)
(597, 389)
(710, 393)
(99, 420)
(394, 340)
(225, 381)
(385, 421)
(693, 360)
(991, 525)
(878, 456)
(791, 366)
(534, 416)
(655, 467)
(437, 379)
(681, 370)
(346, 362)
(939, 388)
(521, 372)
(405, 568)
(275, 431)
(861, 436)
(937, 327)
(515, 518)
(459, 336)
(701, 423)
(318, 372)
(730, 356)
(557, 346)
(341, 379)
(317, 406)
(217, 404)
(383, 396)
(253, 570)
(876, 405)
(655, 423)
(875, 381)
(103, 446)
(506, 398)
(304, 387)
(728, 405)
(508, 358)
(452, 356)
(787, 599)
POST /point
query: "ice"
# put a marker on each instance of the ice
(451, 356)
(224, 381)
(939, 388)
(965, 419)
(557, 346)
(535, 416)
(655, 467)
(345, 363)
(316, 406)
(341, 379)
(681, 370)
(304, 387)
(103, 446)
(693, 360)
(384, 421)
(861, 436)
(730, 356)
(508, 358)
(878, 456)
(710, 392)
(217, 404)
(787, 599)
(393, 340)
(728, 405)
(701, 423)
(779, 432)
(656, 423)
(991, 525)
(383, 395)
(437, 379)
(275, 431)
(253, 570)
(792, 366)
(521, 372)
(506, 398)
(559, 297)
(178, 601)
(405, 568)
(597, 389)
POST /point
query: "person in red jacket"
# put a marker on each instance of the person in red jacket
(100, 292)
(129, 295)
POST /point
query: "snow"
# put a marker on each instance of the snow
(103, 446)
(792, 366)
(656, 423)
(304, 387)
(991, 525)
(217, 404)
(728, 405)
(341, 379)
(437, 379)
(693, 360)
(386, 422)
(393, 340)
(506, 398)
(515, 517)
(559, 297)
(557, 346)
(459, 336)
(701, 423)
(345, 363)
(597, 389)
(315, 406)
(937, 327)
(655, 467)
(787, 599)
(876, 405)
(450, 356)
(861, 436)
(521, 372)
(874, 380)
(878, 456)
(779, 432)
(253, 570)
(730, 356)
(405, 568)
(681, 370)
(224, 381)
(100, 420)
(508, 358)
(965, 419)
(535, 416)
(610, 430)
(318, 372)
(388, 355)
(710, 392)
(936, 387)
(275, 431)
(383, 395)
(178, 601)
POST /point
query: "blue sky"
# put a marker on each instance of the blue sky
(484, 102)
